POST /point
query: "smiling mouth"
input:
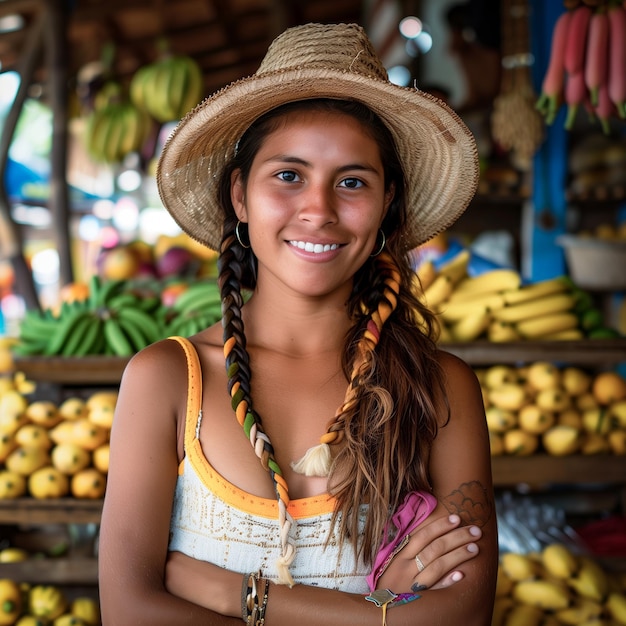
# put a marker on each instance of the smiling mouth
(317, 248)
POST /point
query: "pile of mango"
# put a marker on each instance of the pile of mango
(50, 450)
(541, 407)
(22, 604)
(556, 587)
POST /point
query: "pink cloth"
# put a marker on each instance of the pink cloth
(417, 506)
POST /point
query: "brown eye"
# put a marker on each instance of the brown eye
(351, 183)
(288, 176)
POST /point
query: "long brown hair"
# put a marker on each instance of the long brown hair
(387, 433)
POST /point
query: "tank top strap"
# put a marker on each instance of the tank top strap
(193, 417)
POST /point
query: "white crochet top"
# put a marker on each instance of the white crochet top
(215, 521)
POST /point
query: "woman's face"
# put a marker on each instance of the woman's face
(314, 201)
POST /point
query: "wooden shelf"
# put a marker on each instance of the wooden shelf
(542, 469)
(583, 352)
(89, 370)
(61, 571)
(52, 511)
(107, 370)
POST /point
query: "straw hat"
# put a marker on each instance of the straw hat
(437, 151)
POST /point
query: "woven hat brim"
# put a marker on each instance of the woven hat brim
(437, 150)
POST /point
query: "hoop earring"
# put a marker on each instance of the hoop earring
(382, 243)
(241, 243)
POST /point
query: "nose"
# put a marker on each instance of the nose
(318, 205)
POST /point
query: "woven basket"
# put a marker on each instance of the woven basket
(595, 263)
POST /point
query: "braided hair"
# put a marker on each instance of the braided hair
(392, 375)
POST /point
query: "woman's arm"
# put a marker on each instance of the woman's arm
(461, 472)
(134, 530)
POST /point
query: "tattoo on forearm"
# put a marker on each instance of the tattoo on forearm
(471, 502)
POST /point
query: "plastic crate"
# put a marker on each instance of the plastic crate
(594, 263)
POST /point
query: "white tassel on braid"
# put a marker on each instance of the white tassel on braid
(317, 460)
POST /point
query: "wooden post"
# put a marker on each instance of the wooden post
(57, 63)
(11, 241)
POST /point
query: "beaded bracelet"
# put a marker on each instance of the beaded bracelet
(261, 613)
(253, 612)
(384, 598)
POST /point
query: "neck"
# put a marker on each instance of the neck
(296, 327)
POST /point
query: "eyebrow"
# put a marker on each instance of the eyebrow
(285, 158)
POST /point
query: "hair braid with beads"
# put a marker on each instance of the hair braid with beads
(231, 264)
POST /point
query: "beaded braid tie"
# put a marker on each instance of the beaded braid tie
(251, 423)
(249, 419)
(317, 460)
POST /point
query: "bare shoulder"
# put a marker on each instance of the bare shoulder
(455, 368)
(160, 362)
(460, 381)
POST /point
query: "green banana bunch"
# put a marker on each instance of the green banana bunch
(168, 88)
(35, 331)
(115, 130)
(113, 320)
(195, 309)
(128, 322)
(72, 332)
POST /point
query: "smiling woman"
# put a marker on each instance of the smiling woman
(318, 196)
(314, 179)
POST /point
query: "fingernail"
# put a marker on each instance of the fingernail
(475, 531)
(472, 547)
(457, 576)
(454, 519)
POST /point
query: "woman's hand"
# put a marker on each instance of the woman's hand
(431, 557)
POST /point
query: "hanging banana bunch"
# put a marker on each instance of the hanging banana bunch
(115, 127)
(168, 88)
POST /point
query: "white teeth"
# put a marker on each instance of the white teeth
(314, 247)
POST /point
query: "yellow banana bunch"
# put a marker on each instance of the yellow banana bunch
(168, 88)
(518, 567)
(559, 561)
(495, 305)
(544, 594)
(494, 281)
(556, 587)
(591, 581)
(580, 612)
(616, 607)
(523, 615)
(541, 326)
(553, 303)
(115, 130)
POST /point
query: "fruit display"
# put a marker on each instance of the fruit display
(22, 604)
(53, 451)
(560, 411)
(496, 305)
(115, 127)
(169, 256)
(597, 170)
(557, 586)
(168, 88)
(587, 63)
(119, 318)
